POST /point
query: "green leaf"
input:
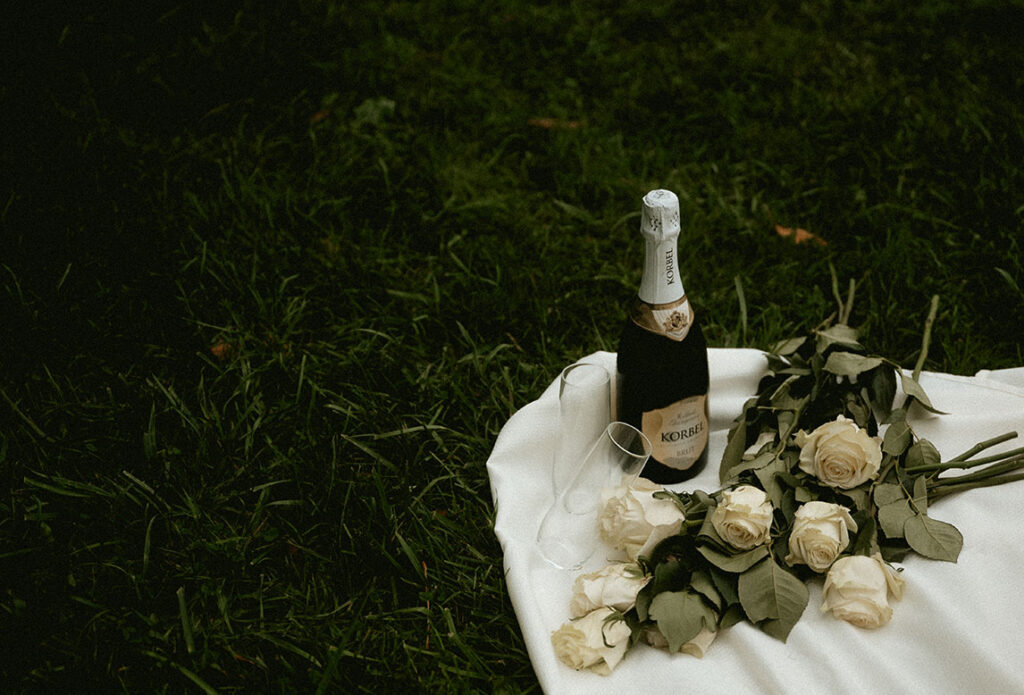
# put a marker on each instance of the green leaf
(784, 420)
(788, 506)
(788, 347)
(766, 475)
(783, 399)
(886, 493)
(897, 436)
(894, 552)
(882, 390)
(858, 409)
(850, 363)
(669, 575)
(866, 541)
(921, 494)
(858, 497)
(774, 597)
(760, 461)
(681, 615)
(733, 615)
(736, 445)
(840, 334)
(703, 585)
(912, 388)
(893, 516)
(725, 583)
(922, 453)
(703, 498)
(804, 494)
(734, 563)
(933, 538)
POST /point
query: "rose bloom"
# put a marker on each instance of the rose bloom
(695, 647)
(632, 519)
(840, 454)
(820, 532)
(591, 643)
(857, 590)
(614, 586)
(744, 517)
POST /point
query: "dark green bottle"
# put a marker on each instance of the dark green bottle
(662, 360)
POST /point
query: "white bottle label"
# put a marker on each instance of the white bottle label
(678, 432)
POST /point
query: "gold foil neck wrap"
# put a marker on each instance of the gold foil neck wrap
(672, 320)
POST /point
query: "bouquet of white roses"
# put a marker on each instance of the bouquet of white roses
(821, 475)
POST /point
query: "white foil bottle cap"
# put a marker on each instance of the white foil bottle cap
(660, 216)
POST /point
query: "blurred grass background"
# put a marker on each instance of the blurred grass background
(275, 275)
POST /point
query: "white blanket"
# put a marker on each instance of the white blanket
(959, 627)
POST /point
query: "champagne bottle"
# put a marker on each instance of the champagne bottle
(662, 361)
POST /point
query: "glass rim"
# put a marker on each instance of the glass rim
(616, 426)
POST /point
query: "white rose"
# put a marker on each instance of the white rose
(632, 519)
(820, 532)
(614, 586)
(857, 590)
(695, 647)
(840, 454)
(744, 517)
(591, 643)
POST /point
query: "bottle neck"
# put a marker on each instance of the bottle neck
(661, 283)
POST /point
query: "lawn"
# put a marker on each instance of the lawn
(274, 275)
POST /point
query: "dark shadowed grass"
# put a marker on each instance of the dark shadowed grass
(274, 279)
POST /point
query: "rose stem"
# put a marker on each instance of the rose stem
(848, 309)
(1008, 465)
(926, 339)
(981, 446)
(964, 464)
(835, 292)
(980, 483)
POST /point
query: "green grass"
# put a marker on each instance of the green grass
(275, 277)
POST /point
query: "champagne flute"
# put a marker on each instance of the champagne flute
(568, 533)
(584, 410)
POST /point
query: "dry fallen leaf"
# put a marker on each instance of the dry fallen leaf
(799, 236)
(320, 115)
(221, 350)
(555, 123)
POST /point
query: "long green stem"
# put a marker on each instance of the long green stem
(981, 446)
(943, 491)
(990, 472)
(835, 291)
(950, 465)
(888, 461)
(848, 309)
(926, 339)
(1010, 464)
(784, 438)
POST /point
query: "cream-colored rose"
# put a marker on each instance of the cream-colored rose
(857, 590)
(744, 517)
(821, 531)
(591, 643)
(614, 586)
(632, 519)
(695, 647)
(840, 454)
